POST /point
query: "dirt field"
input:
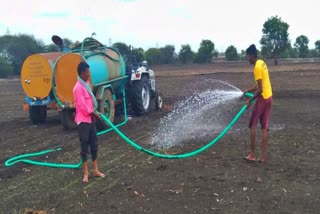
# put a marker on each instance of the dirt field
(216, 181)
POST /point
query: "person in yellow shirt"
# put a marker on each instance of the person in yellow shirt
(261, 110)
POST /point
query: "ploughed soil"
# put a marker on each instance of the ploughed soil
(215, 181)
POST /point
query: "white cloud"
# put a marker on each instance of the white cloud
(148, 22)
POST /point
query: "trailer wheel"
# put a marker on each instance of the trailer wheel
(140, 96)
(106, 106)
(67, 118)
(38, 114)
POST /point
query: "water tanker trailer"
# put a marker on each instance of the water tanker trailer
(36, 80)
(48, 81)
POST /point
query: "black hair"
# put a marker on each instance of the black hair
(252, 50)
(82, 67)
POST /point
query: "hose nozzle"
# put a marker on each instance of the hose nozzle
(248, 94)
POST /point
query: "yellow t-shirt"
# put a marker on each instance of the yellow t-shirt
(261, 73)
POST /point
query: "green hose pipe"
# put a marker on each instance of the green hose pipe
(247, 94)
(22, 158)
(60, 104)
(125, 115)
(183, 155)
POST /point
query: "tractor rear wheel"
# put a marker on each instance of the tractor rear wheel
(140, 96)
(38, 114)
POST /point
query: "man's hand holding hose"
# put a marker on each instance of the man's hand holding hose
(96, 115)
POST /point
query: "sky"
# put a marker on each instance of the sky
(156, 23)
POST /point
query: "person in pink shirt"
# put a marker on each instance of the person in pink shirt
(85, 104)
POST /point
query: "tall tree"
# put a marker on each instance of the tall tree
(51, 48)
(153, 56)
(15, 48)
(215, 53)
(232, 53)
(301, 45)
(275, 38)
(243, 55)
(123, 48)
(293, 53)
(129, 53)
(167, 53)
(4, 46)
(185, 54)
(313, 53)
(67, 42)
(205, 52)
(6, 68)
(136, 55)
(317, 45)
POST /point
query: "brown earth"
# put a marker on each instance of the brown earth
(216, 181)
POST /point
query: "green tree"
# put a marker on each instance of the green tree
(285, 54)
(293, 53)
(16, 48)
(275, 38)
(67, 43)
(232, 53)
(301, 45)
(313, 53)
(4, 45)
(215, 53)
(243, 55)
(51, 48)
(153, 56)
(129, 53)
(136, 55)
(167, 53)
(205, 52)
(186, 55)
(6, 68)
(123, 49)
(317, 45)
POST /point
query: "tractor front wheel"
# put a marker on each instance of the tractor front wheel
(158, 101)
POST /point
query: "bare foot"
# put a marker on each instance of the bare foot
(85, 179)
(250, 157)
(99, 174)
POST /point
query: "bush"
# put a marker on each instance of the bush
(314, 53)
(6, 68)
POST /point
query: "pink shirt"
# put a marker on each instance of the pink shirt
(83, 103)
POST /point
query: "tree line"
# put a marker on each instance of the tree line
(167, 54)
(275, 44)
(14, 49)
